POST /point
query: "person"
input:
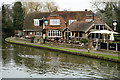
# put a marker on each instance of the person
(98, 47)
(57, 39)
(37, 39)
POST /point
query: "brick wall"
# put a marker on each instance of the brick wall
(54, 27)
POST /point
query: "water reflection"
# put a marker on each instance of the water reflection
(30, 62)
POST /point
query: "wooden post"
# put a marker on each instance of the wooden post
(74, 34)
(71, 34)
(116, 47)
(107, 46)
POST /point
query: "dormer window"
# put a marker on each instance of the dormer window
(54, 21)
(36, 22)
(88, 20)
(71, 21)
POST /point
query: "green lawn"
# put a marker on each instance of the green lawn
(66, 50)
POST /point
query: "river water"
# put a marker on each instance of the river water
(26, 62)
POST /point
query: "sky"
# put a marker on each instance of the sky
(73, 5)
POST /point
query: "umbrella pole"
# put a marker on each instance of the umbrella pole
(104, 37)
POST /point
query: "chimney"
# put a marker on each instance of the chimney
(93, 16)
(86, 10)
(119, 4)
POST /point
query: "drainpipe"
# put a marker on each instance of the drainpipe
(65, 25)
(93, 16)
(66, 28)
(43, 29)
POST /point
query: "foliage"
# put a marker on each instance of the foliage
(84, 40)
(3, 16)
(50, 6)
(7, 25)
(32, 39)
(108, 11)
(18, 16)
(73, 40)
(40, 6)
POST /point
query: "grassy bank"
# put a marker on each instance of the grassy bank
(89, 54)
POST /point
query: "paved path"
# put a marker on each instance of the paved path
(82, 50)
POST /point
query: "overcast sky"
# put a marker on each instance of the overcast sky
(74, 5)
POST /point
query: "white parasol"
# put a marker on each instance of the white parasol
(112, 37)
(106, 32)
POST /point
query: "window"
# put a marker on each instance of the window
(54, 33)
(71, 21)
(97, 35)
(54, 21)
(101, 27)
(36, 22)
(92, 35)
(97, 27)
(38, 33)
(88, 20)
(80, 34)
(76, 34)
(72, 33)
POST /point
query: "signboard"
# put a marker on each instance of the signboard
(44, 31)
(46, 22)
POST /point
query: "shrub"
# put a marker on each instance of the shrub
(32, 39)
(84, 40)
(73, 40)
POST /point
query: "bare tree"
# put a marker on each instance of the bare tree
(50, 6)
(30, 7)
(41, 6)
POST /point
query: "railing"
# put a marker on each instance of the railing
(110, 46)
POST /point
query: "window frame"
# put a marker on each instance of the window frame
(36, 22)
(54, 21)
(37, 34)
(71, 21)
(54, 33)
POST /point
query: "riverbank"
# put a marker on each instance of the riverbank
(93, 54)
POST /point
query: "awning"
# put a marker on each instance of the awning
(104, 32)
(112, 37)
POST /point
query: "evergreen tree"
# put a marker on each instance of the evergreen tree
(3, 17)
(117, 10)
(18, 16)
(4, 21)
(108, 13)
(7, 25)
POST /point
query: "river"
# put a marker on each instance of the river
(26, 62)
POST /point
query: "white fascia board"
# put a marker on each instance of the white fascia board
(108, 27)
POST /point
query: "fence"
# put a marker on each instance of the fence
(110, 46)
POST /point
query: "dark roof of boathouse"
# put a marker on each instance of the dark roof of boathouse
(80, 26)
(83, 25)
